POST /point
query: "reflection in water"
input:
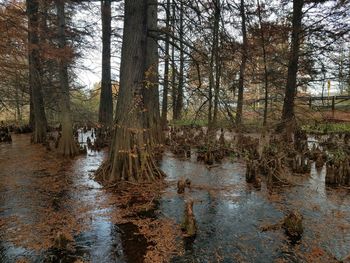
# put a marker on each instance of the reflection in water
(229, 220)
(41, 195)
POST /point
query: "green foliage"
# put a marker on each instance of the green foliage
(188, 122)
(325, 128)
(338, 155)
(233, 156)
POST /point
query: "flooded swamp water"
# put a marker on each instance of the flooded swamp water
(43, 198)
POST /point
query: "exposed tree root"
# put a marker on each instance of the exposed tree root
(133, 169)
(39, 135)
(67, 147)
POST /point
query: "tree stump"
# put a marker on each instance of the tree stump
(181, 185)
(188, 151)
(293, 225)
(301, 164)
(257, 183)
(209, 158)
(319, 162)
(61, 241)
(189, 226)
(188, 183)
(252, 171)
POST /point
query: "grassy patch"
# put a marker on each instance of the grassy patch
(188, 122)
(326, 128)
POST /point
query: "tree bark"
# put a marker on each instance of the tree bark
(105, 116)
(265, 66)
(38, 110)
(131, 157)
(67, 145)
(18, 106)
(291, 88)
(166, 68)
(242, 66)
(31, 109)
(180, 87)
(151, 87)
(210, 91)
(173, 64)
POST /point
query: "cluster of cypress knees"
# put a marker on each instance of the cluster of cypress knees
(6, 130)
(279, 158)
(270, 156)
(5, 135)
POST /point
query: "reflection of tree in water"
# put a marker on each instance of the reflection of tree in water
(134, 244)
(52, 199)
(338, 218)
(41, 199)
(206, 213)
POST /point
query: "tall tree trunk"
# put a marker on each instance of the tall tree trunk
(348, 78)
(217, 59)
(216, 90)
(151, 88)
(180, 87)
(166, 68)
(40, 123)
(131, 157)
(291, 88)
(242, 66)
(210, 90)
(67, 145)
(105, 116)
(18, 106)
(48, 64)
(323, 70)
(173, 64)
(265, 66)
(31, 110)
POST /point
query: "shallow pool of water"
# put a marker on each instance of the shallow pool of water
(41, 195)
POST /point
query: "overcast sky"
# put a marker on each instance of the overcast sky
(92, 57)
